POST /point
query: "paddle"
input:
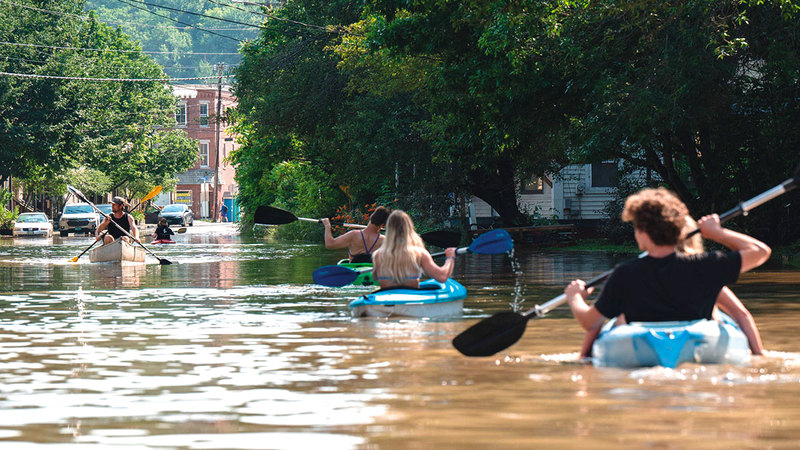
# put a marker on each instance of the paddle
(75, 259)
(269, 215)
(147, 197)
(153, 192)
(492, 242)
(502, 330)
(80, 195)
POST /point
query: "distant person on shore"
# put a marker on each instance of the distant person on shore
(360, 244)
(403, 258)
(666, 285)
(223, 212)
(122, 221)
(163, 231)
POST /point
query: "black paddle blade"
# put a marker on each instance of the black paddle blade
(268, 215)
(164, 262)
(442, 238)
(491, 335)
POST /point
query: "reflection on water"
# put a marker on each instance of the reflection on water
(232, 346)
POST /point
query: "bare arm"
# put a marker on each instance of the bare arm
(588, 316)
(753, 252)
(333, 243)
(732, 306)
(435, 271)
(133, 227)
(99, 231)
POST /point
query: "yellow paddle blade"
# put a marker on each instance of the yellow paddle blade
(181, 230)
(75, 259)
(153, 192)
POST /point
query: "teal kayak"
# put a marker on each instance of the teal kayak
(669, 344)
(432, 299)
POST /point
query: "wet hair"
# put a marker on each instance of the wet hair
(162, 220)
(398, 256)
(694, 244)
(379, 216)
(657, 212)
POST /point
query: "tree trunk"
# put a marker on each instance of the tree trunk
(498, 189)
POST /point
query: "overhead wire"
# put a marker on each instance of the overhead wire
(182, 23)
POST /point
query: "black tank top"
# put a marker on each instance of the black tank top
(122, 222)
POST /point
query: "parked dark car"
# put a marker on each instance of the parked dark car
(177, 214)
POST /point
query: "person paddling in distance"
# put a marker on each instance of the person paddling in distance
(402, 258)
(360, 244)
(163, 231)
(666, 285)
(122, 219)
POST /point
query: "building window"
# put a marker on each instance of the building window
(180, 114)
(203, 145)
(534, 185)
(604, 174)
(203, 114)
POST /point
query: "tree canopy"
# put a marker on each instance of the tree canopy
(65, 103)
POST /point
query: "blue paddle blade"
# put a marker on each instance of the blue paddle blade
(492, 242)
(334, 276)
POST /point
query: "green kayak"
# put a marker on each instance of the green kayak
(364, 272)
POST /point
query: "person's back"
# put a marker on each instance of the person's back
(402, 259)
(360, 244)
(664, 285)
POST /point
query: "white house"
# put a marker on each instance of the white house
(577, 192)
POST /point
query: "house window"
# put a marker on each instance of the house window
(203, 146)
(534, 185)
(604, 174)
(203, 114)
(180, 114)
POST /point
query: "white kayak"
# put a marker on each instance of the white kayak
(668, 344)
(432, 299)
(117, 251)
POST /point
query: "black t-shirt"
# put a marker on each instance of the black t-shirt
(122, 222)
(163, 232)
(676, 287)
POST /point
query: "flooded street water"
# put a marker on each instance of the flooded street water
(233, 346)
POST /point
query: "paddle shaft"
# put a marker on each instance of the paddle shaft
(82, 197)
(343, 224)
(75, 259)
(741, 209)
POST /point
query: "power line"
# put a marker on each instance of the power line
(55, 77)
(182, 23)
(113, 50)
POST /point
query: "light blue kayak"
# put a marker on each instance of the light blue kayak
(668, 344)
(432, 299)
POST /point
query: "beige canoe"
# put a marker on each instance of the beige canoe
(117, 251)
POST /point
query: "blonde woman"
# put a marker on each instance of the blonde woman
(402, 258)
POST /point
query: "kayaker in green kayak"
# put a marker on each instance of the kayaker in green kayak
(360, 244)
(666, 285)
(402, 259)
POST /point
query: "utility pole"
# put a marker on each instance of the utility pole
(217, 184)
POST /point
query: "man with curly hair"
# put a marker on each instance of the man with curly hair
(666, 285)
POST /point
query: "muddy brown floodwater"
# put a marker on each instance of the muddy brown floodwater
(233, 346)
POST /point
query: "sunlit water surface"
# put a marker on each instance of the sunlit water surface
(233, 346)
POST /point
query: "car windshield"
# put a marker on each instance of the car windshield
(32, 218)
(78, 209)
(106, 208)
(173, 208)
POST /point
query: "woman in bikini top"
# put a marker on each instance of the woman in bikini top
(402, 258)
(355, 240)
